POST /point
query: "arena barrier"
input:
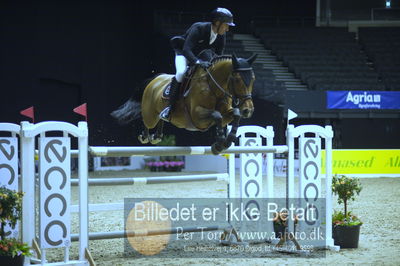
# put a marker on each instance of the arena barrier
(54, 194)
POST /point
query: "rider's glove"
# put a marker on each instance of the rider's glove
(203, 64)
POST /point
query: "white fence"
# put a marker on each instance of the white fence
(55, 174)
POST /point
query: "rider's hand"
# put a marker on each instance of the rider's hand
(203, 64)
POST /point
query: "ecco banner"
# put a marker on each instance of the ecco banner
(363, 100)
(55, 191)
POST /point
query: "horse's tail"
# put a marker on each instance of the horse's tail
(127, 112)
(131, 109)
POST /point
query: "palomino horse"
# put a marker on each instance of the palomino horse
(216, 96)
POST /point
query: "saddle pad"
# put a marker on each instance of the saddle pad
(166, 91)
(184, 88)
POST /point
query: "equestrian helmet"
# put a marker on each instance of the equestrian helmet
(223, 15)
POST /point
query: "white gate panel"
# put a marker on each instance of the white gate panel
(55, 191)
(9, 172)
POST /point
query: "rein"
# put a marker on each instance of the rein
(226, 94)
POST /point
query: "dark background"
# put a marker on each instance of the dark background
(56, 55)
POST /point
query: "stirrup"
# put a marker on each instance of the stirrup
(165, 114)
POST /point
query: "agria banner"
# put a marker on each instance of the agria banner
(363, 99)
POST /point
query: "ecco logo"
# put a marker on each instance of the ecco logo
(54, 187)
(310, 172)
(251, 163)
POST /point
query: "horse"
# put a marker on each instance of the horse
(216, 96)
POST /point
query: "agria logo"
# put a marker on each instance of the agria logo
(364, 100)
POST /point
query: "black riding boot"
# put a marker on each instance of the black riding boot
(173, 98)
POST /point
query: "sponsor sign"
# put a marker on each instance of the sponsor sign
(372, 162)
(363, 100)
(354, 162)
(55, 192)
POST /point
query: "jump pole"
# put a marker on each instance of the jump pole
(153, 180)
(118, 151)
(124, 234)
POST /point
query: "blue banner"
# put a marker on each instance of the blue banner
(363, 99)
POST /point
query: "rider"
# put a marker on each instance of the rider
(200, 36)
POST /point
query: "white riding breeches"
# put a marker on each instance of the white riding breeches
(181, 66)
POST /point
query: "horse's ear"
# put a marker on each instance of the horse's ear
(235, 61)
(252, 59)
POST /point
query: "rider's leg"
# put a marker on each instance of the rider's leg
(181, 65)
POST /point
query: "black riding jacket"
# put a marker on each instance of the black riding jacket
(197, 39)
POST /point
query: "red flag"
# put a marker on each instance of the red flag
(29, 112)
(82, 110)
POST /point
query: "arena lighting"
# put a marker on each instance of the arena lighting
(388, 3)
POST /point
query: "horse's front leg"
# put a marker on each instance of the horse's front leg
(235, 124)
(218, 146)
(158, 135)
(144, 137)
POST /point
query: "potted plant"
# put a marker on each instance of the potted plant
(12, 251)
(173, 166)
(346, 226)
(155, 166)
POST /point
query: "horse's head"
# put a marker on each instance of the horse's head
(241, 84)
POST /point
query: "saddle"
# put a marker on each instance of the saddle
(177, 43)
(184, 88)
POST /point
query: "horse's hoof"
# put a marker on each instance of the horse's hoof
(154, 140)
(216, 148)
(142, 140)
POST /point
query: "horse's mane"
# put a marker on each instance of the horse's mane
(220, 58)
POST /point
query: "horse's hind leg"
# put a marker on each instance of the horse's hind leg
(144, 137)
(157, 137)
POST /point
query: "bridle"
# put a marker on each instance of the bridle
(237, 100)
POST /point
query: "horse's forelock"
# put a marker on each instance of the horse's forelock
(247, 76)
(242, 64)
(245, 70)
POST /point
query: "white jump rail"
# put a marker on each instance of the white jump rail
(169, 151)
(153, 180)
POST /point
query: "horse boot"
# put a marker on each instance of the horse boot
(173, 98)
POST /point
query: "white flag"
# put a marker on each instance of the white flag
(291, 115)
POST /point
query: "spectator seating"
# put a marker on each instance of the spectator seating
(323, 58)
(382, 45)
